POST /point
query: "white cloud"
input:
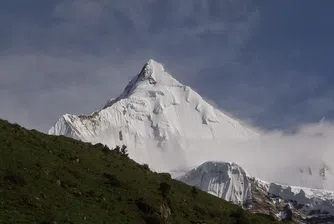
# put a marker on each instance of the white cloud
(276, 156)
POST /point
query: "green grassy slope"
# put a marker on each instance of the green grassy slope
(49, 179)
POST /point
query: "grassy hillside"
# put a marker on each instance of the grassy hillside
(48, 179)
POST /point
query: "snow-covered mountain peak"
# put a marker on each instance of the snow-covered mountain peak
(155, 73)
(151, 80)
(226, 180)
(162, 121)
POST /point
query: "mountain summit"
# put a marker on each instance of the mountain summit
(152, 76)
(155, 73)
(160, 120)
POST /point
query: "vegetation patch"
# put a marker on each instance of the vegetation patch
(55, 179)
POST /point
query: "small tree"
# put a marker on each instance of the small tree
(146, 167)
(124, 151)
(165, 189)
(112, 179)
(194, 191)
(106, 149)
(117, 149)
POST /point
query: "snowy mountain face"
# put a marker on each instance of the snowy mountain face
(232, 183)
(158, 118)
(224, 180)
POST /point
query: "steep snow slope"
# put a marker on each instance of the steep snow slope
(158, 118)
(225, 180)
(231, 182)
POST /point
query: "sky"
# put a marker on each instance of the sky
(268, 63)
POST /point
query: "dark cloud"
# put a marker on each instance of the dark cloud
(265, 63)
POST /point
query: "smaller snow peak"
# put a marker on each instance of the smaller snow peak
(219, 166)
(223, 179)
(151, 77)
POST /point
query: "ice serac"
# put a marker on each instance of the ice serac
(157, 117)
(224, 180)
